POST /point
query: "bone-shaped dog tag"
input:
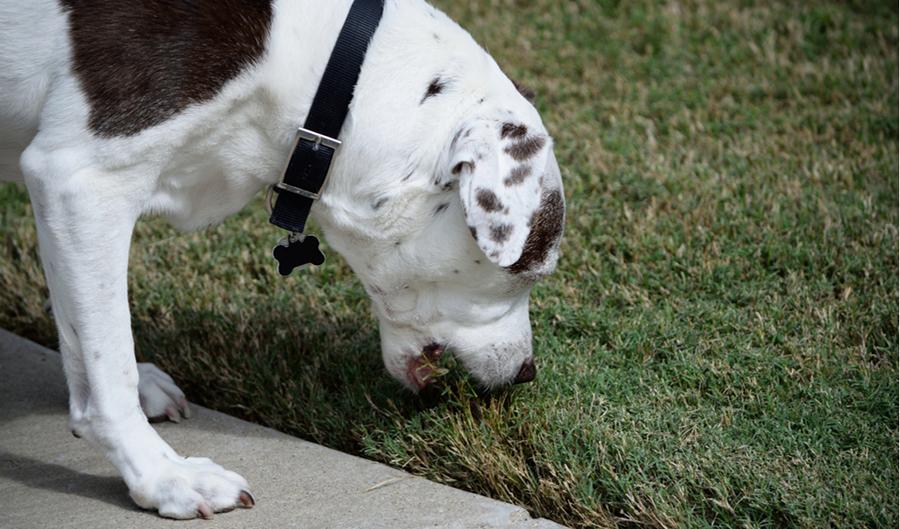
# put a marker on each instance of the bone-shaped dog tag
(297, 250)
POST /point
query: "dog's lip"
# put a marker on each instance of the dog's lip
(420, 369)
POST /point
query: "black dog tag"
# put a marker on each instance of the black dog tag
(297, 250)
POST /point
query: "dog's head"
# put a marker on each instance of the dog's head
(448, 204)
(462, 281)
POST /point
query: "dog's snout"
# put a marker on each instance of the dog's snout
(526, 373)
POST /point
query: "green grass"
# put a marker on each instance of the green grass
(719, 347)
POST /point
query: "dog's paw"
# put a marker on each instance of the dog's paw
(160, 398)
(193, 487)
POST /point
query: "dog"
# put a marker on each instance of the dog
(445, 198)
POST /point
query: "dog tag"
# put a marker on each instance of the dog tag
(297, 250)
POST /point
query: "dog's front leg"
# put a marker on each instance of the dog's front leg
(85, 221)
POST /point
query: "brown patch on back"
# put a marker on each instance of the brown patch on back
(488, 200)
(143, 61)
(546, 229)
(526, 148)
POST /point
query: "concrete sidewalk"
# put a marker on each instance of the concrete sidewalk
(50, 479)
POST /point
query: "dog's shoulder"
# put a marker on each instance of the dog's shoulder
(139, 63)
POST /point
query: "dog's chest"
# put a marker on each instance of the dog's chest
(211, 177)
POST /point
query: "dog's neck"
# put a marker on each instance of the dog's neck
(373, 196)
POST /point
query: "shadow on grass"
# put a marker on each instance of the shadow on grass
(292, 368)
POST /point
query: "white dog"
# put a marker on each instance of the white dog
(445, 199)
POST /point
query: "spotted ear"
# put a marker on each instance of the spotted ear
(499, 166)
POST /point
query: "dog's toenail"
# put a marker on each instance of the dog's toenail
(246, 499)
(185, 409)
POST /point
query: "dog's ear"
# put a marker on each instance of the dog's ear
(499, 166)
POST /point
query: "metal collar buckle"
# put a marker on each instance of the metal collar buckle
(317, 140)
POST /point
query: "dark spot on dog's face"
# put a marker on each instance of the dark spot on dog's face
(474, 232)
(526, 148)
(488, 200)
(379, 203)
(436, 87)
(500, 232)
(441, 208)
(511, 130)
(449, 186)
(546, 229)
(517, 175)
(142, 63)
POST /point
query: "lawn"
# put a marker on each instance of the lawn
(719, 346)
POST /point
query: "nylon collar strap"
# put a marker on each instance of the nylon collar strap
(316, 142)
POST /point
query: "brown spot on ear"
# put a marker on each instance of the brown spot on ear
(526, 148)
(142, 62)
(517, 175)
(511, 130)
(500, 233)
(435, 88)
(546, 229)
(488, 200)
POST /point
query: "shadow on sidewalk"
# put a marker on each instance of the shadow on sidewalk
(36, 474)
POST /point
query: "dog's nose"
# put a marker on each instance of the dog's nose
(526, 372)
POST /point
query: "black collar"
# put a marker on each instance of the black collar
(316, 143)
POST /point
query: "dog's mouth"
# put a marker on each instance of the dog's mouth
(426, 368)
(422, 370)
